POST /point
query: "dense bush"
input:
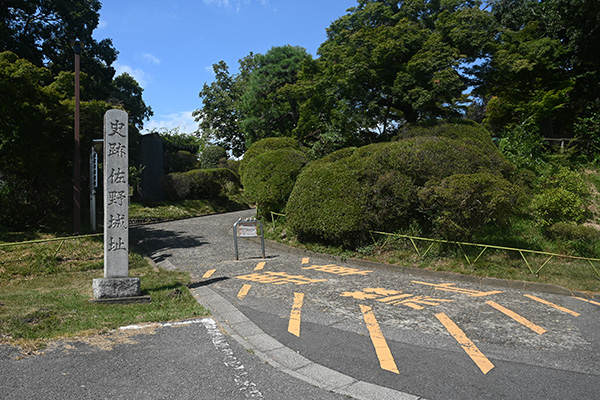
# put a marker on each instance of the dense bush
(274, 143)
(211, 156)
(583, 240)
(560, 197)
(557, 205)
(466, 131)
(180, 161)
(200, 184)
(328, 204)
(269, 178)
(461, 183)
(459, 205)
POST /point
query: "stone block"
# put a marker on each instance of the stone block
(106, 288)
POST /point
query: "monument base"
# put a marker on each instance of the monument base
(112, 288)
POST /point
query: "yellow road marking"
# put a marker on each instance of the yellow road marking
(546, 302)
(588, 301)
(468, 346)
(305, 260)
(294, 324)
(386, 360)
(243, 291)
(209, 273)
(260, 266)
(520, 319)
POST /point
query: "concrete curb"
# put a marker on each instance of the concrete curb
(271, 351)
(251, 337)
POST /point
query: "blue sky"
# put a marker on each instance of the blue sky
(169, 46)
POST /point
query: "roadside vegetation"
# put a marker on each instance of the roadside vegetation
(379, 133)
(45, 292)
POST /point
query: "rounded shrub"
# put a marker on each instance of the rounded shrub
(200, 184)
(211, 157)
(268, 144)
(582, 240)
(557, 205)
(461, 204)
(466, 131)
(269, 178)
(451, 185)
(328, 204)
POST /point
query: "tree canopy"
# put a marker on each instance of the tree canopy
(37, 102)
(528, 69)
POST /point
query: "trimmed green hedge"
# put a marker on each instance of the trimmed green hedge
(268, 144)
(438, 182)
(327, 204)
(269, 178)
(459, 205)
(200, 184)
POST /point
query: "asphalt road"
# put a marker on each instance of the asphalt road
(434, 336)
(306, 326)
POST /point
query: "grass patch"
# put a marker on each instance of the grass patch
(568, 273)
(164, 211)
(44, 294)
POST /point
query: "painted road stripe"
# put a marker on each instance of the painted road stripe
(468, 346)
(305, 260)
(520, 319)
(208, 273)
(588, 301)
(243, 291)
(546, 302)
(294, 324)
(260, 266)
(386, 360)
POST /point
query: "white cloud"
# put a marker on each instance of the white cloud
(102, 24)
(182, 120)
(150, 58)
(138, 74)
(235, 5)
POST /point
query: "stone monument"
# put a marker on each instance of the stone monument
(116, 283)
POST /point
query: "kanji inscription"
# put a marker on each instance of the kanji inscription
(116, 189)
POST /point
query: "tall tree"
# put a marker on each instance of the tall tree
(397, 62)
(269, 106)
(219, 116)
(544, 73)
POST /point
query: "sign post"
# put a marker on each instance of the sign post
(249, 227)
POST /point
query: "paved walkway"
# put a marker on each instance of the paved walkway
(306, 326)
(375, 332)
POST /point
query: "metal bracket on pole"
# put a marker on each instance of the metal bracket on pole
(248, 227)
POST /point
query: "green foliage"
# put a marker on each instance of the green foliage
(268, 106)
(179, 149)
(264, 145)
(583, 240)
(339, 198)
(269, 178)
(211, 156)
(587, 132)
(200, 184)
(180, 161)
(557, 205)
(327, 204)
(466, 131)
(561, 197)
(461, 204)
(219, 114)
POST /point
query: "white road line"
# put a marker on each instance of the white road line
(240, 375)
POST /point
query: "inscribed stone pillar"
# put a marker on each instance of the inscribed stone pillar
(116, 282)
(116, 195)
